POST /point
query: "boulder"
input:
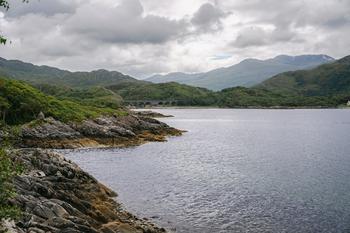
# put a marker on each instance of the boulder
(41, 116)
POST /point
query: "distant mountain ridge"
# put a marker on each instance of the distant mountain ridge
(247, 73)
(327, 85)
(19, 70)
(325, 80)
(100, 88)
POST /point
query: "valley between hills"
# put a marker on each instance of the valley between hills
(47, 108)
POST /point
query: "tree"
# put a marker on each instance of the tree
(8, 168)
(4, 106)
(5, 4)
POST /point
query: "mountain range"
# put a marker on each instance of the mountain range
(34, 74)
(327, 85)
(100, 88)
(247, 73)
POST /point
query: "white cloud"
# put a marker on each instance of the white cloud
(142, 37)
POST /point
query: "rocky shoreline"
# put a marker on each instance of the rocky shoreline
(55, 195)
(106, 131)
(151, 114)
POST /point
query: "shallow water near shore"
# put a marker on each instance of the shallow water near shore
(236, 171)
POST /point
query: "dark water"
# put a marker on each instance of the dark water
(237, 171)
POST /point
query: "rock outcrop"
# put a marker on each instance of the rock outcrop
(150, 114)
(57, 196)
(107, 131)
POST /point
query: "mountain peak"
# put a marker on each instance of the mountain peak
(247, 73)
(249, 60)
(345, 60)
(301, 60)
(323, 80)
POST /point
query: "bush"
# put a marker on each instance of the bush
(8, 170)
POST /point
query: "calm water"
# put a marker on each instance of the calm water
(237, 171)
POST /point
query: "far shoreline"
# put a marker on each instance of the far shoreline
(242, 108)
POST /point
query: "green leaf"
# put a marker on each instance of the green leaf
(2, 40)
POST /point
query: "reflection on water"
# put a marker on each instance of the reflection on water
(237, 171)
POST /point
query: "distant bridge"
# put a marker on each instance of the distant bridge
(145, 103)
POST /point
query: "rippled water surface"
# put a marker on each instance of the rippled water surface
(237, 171)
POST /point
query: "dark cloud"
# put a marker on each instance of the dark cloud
(208, 17)
(338, 22)
(43, 7)
(253, 36)
(125, 23)
(334, 19)
(257, 36)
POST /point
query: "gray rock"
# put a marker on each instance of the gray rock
(103, 131)
(103, 128)
(57, 196)
(49, 129)
(37, 173)
(150, 114)
(41, 116)
(35, 230)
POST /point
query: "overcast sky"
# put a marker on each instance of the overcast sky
(143, 37)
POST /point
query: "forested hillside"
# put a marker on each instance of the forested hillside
(326, 80)
(183, 94)
(20, 103)
(93, 96)
(254, 97)
(325, 86)
(44, 74)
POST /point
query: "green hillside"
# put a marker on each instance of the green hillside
(19, 70)
(237, 97)
(20, 103)
(326, 80)
(253, 97)
(94, 92)
(94, 96)
(249, 97)
(90, 87)
(185, 95)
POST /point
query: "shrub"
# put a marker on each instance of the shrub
(8, 170)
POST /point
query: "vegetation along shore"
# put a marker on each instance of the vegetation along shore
(324, 86)
(52, 194)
